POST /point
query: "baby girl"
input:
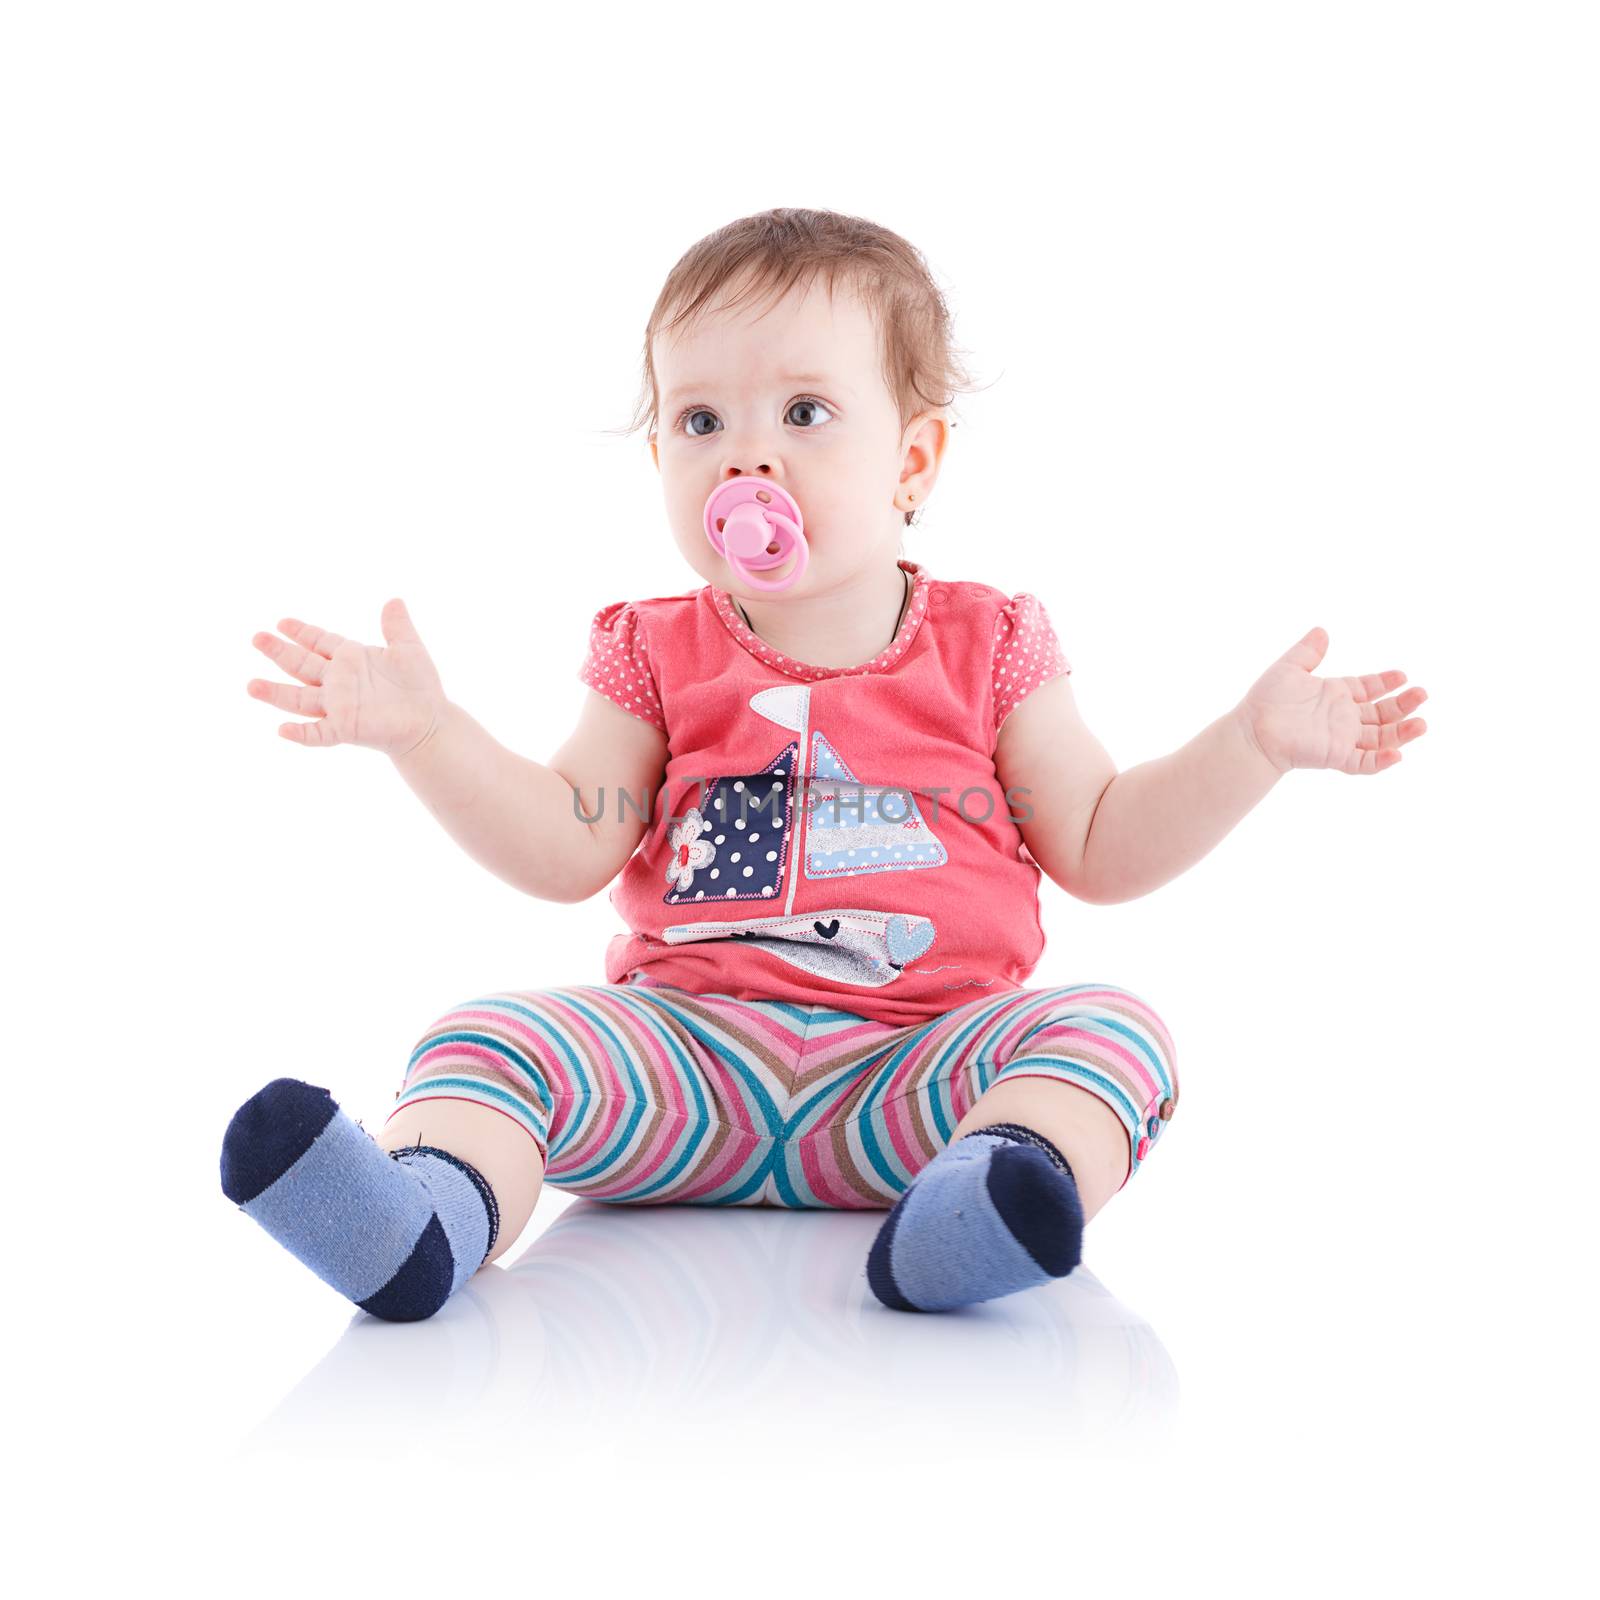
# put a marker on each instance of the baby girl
(829, 781)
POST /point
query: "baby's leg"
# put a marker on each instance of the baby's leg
(498, 1147)
(634, 1095)
(1112, 1059)
(1081, 1126)
(399, 1223)
(1066, 1091)
(397, 1234)
(630, 1095)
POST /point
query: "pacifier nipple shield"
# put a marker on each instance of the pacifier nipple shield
(753, 525)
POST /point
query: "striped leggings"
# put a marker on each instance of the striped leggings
(644, 1093)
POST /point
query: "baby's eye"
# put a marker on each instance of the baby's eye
(812, 405)
(807, 401)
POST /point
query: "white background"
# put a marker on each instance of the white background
(1290, 317)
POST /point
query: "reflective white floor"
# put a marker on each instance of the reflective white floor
(700, 1318)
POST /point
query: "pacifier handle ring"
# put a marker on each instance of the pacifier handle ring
(749, 577)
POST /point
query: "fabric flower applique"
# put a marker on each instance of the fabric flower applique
(689, 851)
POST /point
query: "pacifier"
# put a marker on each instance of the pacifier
(753, 525)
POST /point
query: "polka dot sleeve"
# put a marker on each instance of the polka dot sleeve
(618, 663)
(1026, 654)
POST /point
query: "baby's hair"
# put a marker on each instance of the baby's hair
(789, 246)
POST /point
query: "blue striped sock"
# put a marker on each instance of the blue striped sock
(994, 1212)
(398, 1234)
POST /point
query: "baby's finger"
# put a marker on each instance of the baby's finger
(1389, 737)
(1370, 685)
(318, 734)
(287, 697)
(1395, 707)
(1372, 736)
(322, 640)
(304, 664)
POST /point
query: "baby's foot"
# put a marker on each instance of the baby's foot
(992, 1213)
(398, 1234)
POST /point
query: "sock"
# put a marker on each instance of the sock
(398, 1234)
(995, 1211)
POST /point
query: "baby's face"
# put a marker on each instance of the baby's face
(794, 395)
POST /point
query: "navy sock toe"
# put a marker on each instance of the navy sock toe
(423, 1283)
(269, 1133)
(1039, 1206)
(396, 1233)
(879, 1273)
(994, 1212)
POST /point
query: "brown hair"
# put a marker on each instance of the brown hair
(789, 246)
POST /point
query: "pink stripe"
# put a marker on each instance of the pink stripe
(736, 1023)
(546, 1059)
(663, 1143)
(776, 1032)
(1098, 1042)
(848, 1041)
(613, 1102)
(910, 1066)
(1156, 1025)
(898, 1124)
(814, 1142)
(735, 1155)
(1052, 1032)
(666, 1140)
(534, 1045)
(824, 1176)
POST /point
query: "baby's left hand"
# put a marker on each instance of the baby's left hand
(1297, 720)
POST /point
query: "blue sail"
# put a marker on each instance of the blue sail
(855, 828)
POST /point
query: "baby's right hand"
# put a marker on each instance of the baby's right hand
(388, 699)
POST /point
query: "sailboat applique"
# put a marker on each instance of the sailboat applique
(744, 845)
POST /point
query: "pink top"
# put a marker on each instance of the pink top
(829, 835)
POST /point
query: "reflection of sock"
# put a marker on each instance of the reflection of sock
(398, 1234)
(994, 1212)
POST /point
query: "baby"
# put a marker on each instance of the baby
(829, 801)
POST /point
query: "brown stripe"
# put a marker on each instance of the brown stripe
(622, 1172)
(1141, 1021)
(713, 1153)
(925, 1136)
(717, 1021)
(845, 1157)
(849, 1060)
(464, 1066)
(1106, 1068)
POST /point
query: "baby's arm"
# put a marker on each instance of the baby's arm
(512, 815)
(1107, 836)
(519, 819)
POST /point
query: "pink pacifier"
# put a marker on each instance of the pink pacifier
(753, 525)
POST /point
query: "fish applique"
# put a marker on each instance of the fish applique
(868, 948)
